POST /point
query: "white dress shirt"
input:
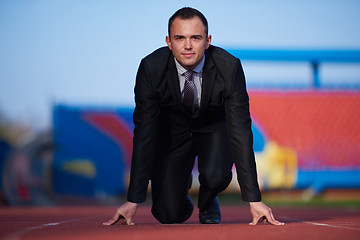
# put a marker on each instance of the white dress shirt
(197, 77)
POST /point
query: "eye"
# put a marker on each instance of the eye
(178, 37)
(197, 37)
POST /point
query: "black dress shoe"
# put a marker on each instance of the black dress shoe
(211, 215)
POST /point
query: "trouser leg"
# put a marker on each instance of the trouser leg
(214, 164)
(171, 203)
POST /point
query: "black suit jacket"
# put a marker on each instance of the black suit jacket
(159, 112)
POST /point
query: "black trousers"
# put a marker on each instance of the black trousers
(171, 203)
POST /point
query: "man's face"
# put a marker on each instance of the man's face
(188, 41)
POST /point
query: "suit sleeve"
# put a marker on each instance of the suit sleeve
(240, 136)
(145, 118)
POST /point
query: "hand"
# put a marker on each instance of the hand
(124, 214)
(258, 210)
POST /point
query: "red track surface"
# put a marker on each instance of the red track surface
(85, 223)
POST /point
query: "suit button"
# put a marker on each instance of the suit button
(190, 134)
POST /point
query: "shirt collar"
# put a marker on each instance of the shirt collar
(197, 69)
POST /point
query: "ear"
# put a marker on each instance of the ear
(168, 42)
(208, 41)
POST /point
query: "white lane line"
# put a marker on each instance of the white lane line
(17, 235)
(320, 224)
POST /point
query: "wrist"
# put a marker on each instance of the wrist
(133, 204)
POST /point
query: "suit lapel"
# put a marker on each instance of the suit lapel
(171, 77)
(208, 80)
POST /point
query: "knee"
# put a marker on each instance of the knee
(168, 219)
(169, 213)
(217, 181)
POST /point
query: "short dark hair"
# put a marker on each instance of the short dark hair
(188, 13)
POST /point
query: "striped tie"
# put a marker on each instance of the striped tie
(189, 91)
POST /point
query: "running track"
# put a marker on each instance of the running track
(78, 223)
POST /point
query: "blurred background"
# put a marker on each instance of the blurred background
(67, 73)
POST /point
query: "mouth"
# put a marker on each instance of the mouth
(188, 55)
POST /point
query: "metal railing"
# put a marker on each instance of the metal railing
(314, 57)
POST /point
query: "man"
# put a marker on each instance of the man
(191, 101)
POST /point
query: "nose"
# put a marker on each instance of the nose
(188, 44)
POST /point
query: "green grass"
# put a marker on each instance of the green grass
(281, 200)
(315, 202)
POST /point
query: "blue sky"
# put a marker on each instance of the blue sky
(86, 52)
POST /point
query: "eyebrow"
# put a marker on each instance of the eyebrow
(192, 36)
(197, 36)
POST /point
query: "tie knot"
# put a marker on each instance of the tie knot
(188, 75)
